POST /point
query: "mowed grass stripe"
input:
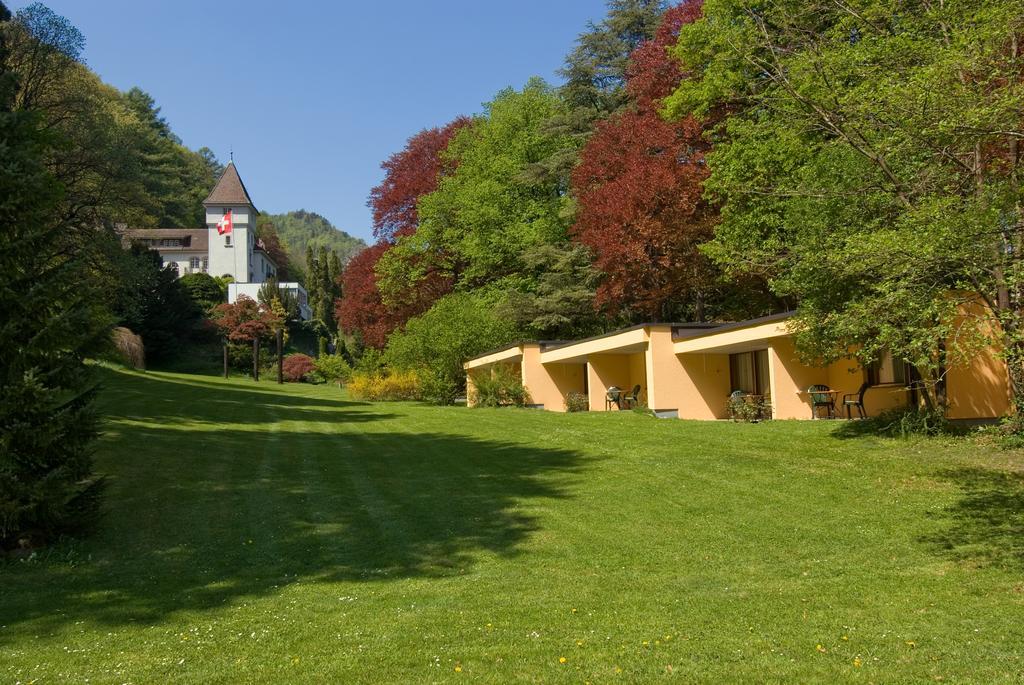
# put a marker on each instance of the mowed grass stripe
(392, 542)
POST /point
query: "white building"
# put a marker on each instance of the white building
(237, 254)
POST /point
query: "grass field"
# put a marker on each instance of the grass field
(260, 534)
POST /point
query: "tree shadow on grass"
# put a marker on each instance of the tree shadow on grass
(195, 521)
(987, 523)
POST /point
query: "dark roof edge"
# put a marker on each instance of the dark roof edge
(722, 328)
(636, 327)
(518, 343)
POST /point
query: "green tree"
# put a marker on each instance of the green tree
(560, 303)
(436, 344)
(871, 169)
(153, 302)
(300, 230)
(476, 226)
(51, 321)
(204, 290)
(323, 285)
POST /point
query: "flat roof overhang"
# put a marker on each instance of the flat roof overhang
(508, 355)
(734, 340)
(630, 341)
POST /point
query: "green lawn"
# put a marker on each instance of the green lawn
(260, 534)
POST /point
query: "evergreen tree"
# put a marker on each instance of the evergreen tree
(50, 322)
(595, 71)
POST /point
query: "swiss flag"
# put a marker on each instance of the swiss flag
(224, 225)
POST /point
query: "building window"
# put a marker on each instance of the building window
(195, 262)
(887, 371)
(748, 372)
(206, 264)
(227, 240)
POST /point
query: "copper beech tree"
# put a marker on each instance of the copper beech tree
(639, 185)
(245, 320)
(408, 175)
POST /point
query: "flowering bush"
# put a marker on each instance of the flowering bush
(296, 367)
(576, 401)
(380, 387)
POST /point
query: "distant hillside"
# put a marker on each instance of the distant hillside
(302, 228)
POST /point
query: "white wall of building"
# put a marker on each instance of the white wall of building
(187, 262)
(231, 258)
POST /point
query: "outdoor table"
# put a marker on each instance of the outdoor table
(835, 395)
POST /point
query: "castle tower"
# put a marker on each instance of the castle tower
(232, 254)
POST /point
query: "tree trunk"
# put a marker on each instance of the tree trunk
(225, 359)
(255, 359)
(280, 356)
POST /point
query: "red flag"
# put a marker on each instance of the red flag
(224, 225)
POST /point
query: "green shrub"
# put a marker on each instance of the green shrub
(750, 409)
(438, 388)
(500, 388)
(333, 368)
(577, 401)
(903, 423)
(436, 344)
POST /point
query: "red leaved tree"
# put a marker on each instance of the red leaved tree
(639, 185)
(245, 320)
(408, 175)
(362, 310)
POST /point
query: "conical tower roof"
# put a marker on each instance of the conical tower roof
(229, 189)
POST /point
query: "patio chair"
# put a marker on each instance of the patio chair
(737, 398)
(822, 398)
(613, 396)
(633, 398)
(856, 399)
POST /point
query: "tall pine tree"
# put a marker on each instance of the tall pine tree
(49, 323)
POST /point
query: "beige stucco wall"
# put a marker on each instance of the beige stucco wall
(980, 389)
(549, 384)
(606, 370)
(702, 389)
(790, 378)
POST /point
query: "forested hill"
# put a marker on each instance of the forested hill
(301, 228)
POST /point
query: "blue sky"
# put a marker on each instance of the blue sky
(312, 96)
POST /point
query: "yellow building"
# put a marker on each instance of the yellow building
(690, 371)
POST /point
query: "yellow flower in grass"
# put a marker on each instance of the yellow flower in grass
(821, 649)
(856, 662)
(458, 668)
(579, 643)
(562, 660)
